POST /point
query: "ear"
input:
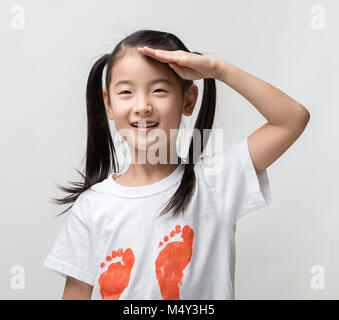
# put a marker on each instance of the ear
(107, 104)
(190, 100)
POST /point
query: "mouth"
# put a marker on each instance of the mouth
(144, 125)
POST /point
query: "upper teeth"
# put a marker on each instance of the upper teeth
(144, 125)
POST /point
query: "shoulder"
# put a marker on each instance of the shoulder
(90, 198)
(98, 190)
(217, 162)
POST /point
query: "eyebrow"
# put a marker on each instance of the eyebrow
(150, 82)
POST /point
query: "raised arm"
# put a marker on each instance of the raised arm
(286, 118)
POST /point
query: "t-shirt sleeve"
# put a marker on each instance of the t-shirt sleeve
(71, 253)
(234, 182)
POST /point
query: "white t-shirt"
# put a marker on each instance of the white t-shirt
(113, 240)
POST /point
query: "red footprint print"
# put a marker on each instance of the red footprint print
(171, 262)
(116, 278)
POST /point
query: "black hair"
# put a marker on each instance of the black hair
(101, 154)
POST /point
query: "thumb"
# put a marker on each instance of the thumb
(176, 68)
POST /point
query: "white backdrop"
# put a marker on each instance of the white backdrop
(287, 250)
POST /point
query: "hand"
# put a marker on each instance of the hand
(187, 65)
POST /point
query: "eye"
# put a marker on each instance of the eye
(154, 90)
(124, 91)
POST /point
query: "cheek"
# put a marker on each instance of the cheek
(120, 117)
(170, 110)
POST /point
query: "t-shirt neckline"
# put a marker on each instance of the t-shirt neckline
(147, 190)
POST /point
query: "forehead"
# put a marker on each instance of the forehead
(137, 67)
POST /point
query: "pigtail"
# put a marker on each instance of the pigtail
(100, 152)
(100, 148)
(204, 120)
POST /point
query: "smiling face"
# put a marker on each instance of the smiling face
(145, 97)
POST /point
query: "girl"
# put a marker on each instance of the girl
(114, 243)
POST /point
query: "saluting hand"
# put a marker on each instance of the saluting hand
(187, 65)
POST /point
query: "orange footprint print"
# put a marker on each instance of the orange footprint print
(171, 262)
(116, 278)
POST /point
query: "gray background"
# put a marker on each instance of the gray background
(44, 70)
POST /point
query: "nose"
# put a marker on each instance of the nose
(143, 107)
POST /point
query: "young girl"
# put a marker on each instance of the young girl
(117, 242)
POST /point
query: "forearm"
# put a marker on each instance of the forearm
(76, 290)
(277, 107)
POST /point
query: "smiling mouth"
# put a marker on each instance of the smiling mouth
(143, 126)
(144, 129)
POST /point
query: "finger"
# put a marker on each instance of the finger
(145, 48)
(177, 69)
(159, 56)
(154, 52)
(151, 53)
(162, 55)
